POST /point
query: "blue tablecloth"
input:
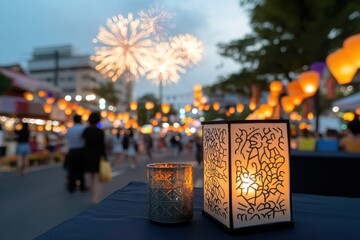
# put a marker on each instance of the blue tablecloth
(123, 215)
(325, 173)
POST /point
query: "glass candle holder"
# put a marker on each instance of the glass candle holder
(170, 192)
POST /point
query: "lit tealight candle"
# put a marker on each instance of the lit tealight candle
(170, 192)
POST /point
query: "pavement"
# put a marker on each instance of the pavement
(35, 203)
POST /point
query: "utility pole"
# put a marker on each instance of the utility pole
(56, 69)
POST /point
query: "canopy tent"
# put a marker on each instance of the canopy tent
(349, 103)
(27, 83)
(14, 104)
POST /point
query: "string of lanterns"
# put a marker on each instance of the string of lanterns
(342, 63)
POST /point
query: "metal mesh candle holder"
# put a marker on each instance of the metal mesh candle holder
(170, 192)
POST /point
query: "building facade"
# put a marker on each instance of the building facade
(73, 74)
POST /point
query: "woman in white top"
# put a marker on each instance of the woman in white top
(117, 148)
(131, 152)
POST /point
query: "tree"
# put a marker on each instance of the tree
(5, 84)
(107, 91)
(143, 114)
(288, 36)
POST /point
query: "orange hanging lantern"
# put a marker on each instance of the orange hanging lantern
(74, 106)
(134, 124)
(158, 115)
(272, 100)
(267, 110)
(85, 116)
(341, 67)
(231, 110)
(196, 104)
(348, 116)
(352, 49)
(357, 111)
(126, 117)
(310, 116)
(62, 104)
(149, 105)
(287, 104)
(294, 116)
(47, 108)
(165, 108)
(103, 114)
(276, 87)
(197, 94)
(187, 108)
(240, 108)
(294, 88)
(50, 100)
(80, 110)
(297, 99)
(203, 100)
(206, 107)
(197, 87)
(41, 93)
(252, 105)
(216, 106)
(133, 106)
(68, 111)
(111, 116)
(309, 82)
(154, 122)
(28, 96)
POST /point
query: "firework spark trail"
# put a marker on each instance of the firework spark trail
(166, 64)
(157, 20)
(190, 48)
(124, 47)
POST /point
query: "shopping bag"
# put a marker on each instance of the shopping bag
(105, 170)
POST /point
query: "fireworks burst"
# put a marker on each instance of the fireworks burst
(166, 64)
(190, 48)
(157, 21)
(125, 47)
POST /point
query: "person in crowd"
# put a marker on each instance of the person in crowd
(148, 145)
(108, 143)
(94, 138)
(331, 134)
(117, 148)
(22, 149)
(179, 143)
(125, 144)
(174, 145)
(161, 146)
(51, 143)
(351, 142)
(33, 144)
(132, 149)
(2, 143)
(306, 141)
(329, 142)
(74, 159)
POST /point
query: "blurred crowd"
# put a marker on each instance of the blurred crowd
(85, 144)
(347, 140)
